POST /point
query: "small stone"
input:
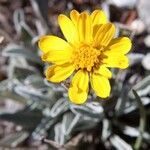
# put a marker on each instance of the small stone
(1, 39)
(138, 26)
(120, 3)
(143, 8)
(146, 62)
(147, 41)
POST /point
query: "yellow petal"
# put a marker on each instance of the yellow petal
(48, 43)
(116, 61)
(59, 73)
(100, 85)
(98, 17)
(104, 35)
(68, 29)
(102, 70)
(78, 90)
(84, 27)
(95, 29)
(57, 56)
(74, 15)
(119, 46)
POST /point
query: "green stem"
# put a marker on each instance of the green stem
(142, 123)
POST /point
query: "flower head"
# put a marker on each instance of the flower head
(88, 52)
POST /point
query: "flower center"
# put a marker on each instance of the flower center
(85, 57)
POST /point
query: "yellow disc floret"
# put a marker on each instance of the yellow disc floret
(85, 57)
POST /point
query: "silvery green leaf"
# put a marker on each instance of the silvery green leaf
(19, 67)
(27, 30)
(122, 100)
(43, 8)
(53, 116)
(106, 132)
(86, 123)
(143, 83)
(18, 62)
(69, 122)
(18, 16)
(64, 128)
(91, 109)
(59, 135)
(119, 143)
(35, 81)
(134, 132)
(142, 87)
(135, 58)
(59, 107)
(11, 106)
(41, 31)
(22, 28)
(27, 35)
(28, 92)
(37, 8)
(55, 87)
(13, 50)
(15, 97)
(144, 92)
(23, 118)
(131, 104)
(14, 139)
(45, 124)
(6, 91)
(35, 99)
(4, 85)
(22, 72)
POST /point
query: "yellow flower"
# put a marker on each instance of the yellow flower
(90, 48)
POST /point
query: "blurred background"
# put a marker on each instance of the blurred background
(37, 115)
